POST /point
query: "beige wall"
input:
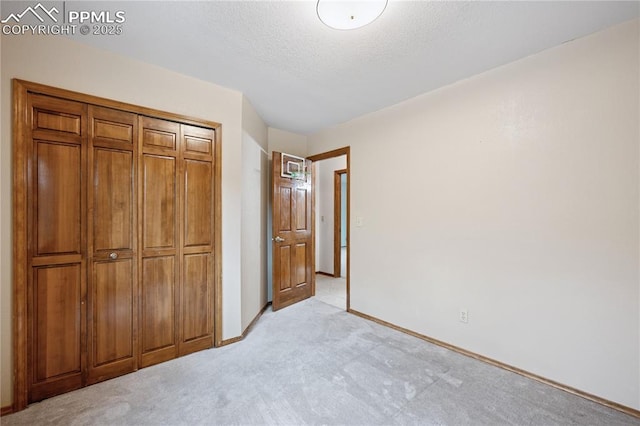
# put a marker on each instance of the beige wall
(6, 362)
(324, 211)
(515, 195)
(255, 168)
(60, 62)
(283, 141)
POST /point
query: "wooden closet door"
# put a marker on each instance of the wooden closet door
(56, 206)
(112, 219)
(196, 286)
(160, 216)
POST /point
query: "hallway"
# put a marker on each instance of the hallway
(332, 291)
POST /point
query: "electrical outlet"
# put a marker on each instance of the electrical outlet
(464, 315)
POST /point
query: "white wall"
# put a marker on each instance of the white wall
(255, 168)
(514, 194)
(290, 143)
(324, 211)
(58, 61)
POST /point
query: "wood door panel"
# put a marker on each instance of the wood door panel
(113, 295)
(196, 297)
(161, 134)
(158, 303)
(198, 140)
(160, 139)
(58, 195)
(301, 209)
(284, 263)
(198, 203)
(198, 145)
(111, 128)
(286, 203)
(113, 200)
(119, 132)
(299, 265)
(159, 204)
(57, 313)
(56, 121)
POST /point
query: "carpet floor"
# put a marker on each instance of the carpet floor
(313, 363)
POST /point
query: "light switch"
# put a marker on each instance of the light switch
(359, 221)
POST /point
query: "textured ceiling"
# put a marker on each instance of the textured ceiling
(302, 76)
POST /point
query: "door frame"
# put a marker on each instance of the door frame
(21, 168)
(325, 156)
(337, 221)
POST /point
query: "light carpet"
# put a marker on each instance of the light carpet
(314, 364)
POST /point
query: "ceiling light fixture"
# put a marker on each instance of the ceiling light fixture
(349, 15)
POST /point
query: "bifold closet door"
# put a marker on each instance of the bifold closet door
(118, 239)
(112, 224)
(177, 214)
(160, 216)
(196, 296)
(56, 209)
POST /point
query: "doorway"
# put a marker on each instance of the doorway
(331, 244)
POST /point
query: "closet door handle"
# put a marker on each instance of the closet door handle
(113, 256)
